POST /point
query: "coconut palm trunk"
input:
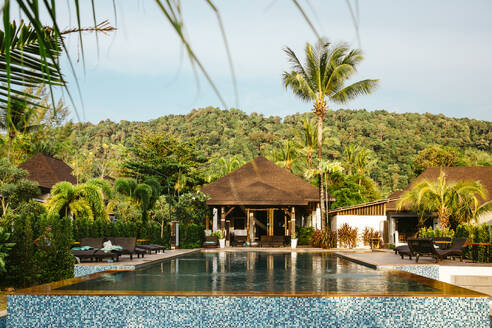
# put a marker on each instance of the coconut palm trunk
(320, 113)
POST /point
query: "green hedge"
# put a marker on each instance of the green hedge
(42, 248)
(304, 235)
(191, 235)
(475, 234)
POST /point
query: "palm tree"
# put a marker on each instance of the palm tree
(286, 155)
(448, 200)
(140, 193)
(328, 171)
(77, 201)
(322, 78)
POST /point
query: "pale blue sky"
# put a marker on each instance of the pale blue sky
(431, 56)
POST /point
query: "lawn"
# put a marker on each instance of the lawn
(3, 301)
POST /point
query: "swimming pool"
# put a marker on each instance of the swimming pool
(257, 272)
(249, 289)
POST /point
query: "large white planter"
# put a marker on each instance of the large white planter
(222, 243)
(293, 243)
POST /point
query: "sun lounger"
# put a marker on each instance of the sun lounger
(272, 241)
(238, 240)
(404, 250)
(128, 245)
(211, 242)
(152, 248)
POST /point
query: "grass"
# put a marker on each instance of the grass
(3, 301)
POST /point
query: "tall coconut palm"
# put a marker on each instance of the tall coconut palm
(79, 200)
(308, 140)
(322, 78)
(445, 199)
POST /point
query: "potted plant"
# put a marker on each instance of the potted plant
(293, 240)
(220, 234)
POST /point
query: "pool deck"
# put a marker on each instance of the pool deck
(139, 262)
(380, 258)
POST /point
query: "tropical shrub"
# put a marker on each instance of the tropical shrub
(219, 234)
(191, 208)
(305, 235)
(191, 235)
(430, 232)
(42, 248)
(5, 247)
(347, 236)
(325, 238)
(475, 234)
(369, 234)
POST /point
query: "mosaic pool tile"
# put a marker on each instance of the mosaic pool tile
(165, 311)
(82, 270)
(429, 271)
(3, 322)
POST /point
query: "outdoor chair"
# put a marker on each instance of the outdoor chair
(278, 241)
(442, 246)
(211, 242)
(238, 240)
(152, 248)
(456, 249)
(92, 242)
(266, 241)
(81, 255)
(404, 250)
(128, 245)
(422, 247)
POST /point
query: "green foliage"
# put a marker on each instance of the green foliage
(14, 187)
(191, 235)
(436, 156)
(42, 248)
(305, 234)
(219, 234)
(164, 157)
(429, 232)
(5, 247)
(83, 200)
(475, 233)
(394, 140)
(191, 208)
(454, 203)
(325, 238)
(347, 236)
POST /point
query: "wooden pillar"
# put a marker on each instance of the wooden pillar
(222, 218)
(207, 222)
(292, 220)
(247, 227)
(286, 231)
(270, 222)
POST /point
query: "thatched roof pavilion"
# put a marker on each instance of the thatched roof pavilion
(259, 187)
(261, 182)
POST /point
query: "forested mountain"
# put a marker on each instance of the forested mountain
(394, 140)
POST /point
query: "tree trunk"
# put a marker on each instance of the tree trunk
(321, 180)
(11, 140)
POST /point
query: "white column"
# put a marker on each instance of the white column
(215, 219)
(318, 218)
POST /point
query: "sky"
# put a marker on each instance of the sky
(430, 56)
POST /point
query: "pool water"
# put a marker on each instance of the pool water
(252, 271)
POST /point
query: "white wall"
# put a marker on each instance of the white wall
(485, 218)
(360, 222)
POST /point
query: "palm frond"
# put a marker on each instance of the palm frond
(299, 86)
(363, 87)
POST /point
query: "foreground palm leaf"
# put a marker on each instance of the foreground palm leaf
(27, 62)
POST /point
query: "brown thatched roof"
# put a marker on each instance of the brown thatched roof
(453, 174)
(260, 182)
(47, 170)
